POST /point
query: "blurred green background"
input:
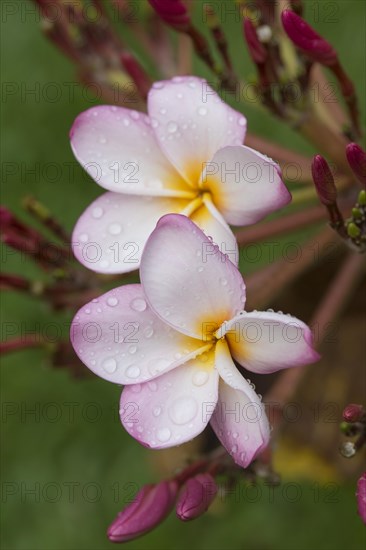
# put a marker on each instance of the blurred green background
(71, 451)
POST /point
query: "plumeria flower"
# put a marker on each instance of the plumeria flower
(186, 156)
(172, 341)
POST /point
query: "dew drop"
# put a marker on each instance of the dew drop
(164, 434)
(223, 281)
(200, 378)
(156, 411)
(202, 111)
(241, 121)
(132, 349)
(112, 301)
(84, 237)
(136, 388)
(152, 386)
(115, 229)
(109, 365)
(172, 127)
(200, 269)
(158, 85)
(183, 410)
(148, 332)
(133, 371)
(97, 212)
(138, 304)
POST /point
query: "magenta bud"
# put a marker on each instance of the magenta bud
(256, 49)
(196, 496)
(151, 506)
(356, 157)
(136, 72)
(307, 39)
(361, 497)
(353, 412)
(173, 12)
(324, 181)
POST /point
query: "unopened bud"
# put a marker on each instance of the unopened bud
(353, 412)
(196, 496)
(356, 157)
(151, 506)
(361, 497)
(172, 12)
(256, 49)
(324, 181)
(307, 39)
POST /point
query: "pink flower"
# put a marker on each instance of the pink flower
(186, 156)
(173, 340)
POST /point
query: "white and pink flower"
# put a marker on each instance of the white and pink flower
(172, 341)
(186, 156)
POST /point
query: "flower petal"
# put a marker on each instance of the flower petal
(245, 185)
(264, 341)
(173, 408)
(239, 420)
(209, 219)
(188, 282)
(193, 123)
(110, 235)
(118, 149)
(120, 339)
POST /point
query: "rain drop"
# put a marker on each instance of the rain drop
(115, 229)
(112, 301)
(202, 111)
(133, 371)
(172, 127)
(138, 304)
(200, 378)
(97, 212)
(109, 365)
(164, 434)
(183, 410)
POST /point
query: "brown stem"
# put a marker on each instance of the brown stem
(331, 306)
(264, 285)
(285, 224)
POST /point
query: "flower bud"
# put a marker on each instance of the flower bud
(151, 506)
(353, 412)
(324, 181)
(361, 497)
(173, 12)
(307, 39)
(356, 157)
(197, 495)
(256, 49)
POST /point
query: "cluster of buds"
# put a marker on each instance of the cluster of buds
(84, 33)
(354, 425)
(191, 492)
(65, 286)
(353, 229)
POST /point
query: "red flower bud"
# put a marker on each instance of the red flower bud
(196, 496)
(324, 181)
(361, 497)
(356, 157)
(151, 506)
(256, 49)
(353, 412)
(307, 39)
(173, 12)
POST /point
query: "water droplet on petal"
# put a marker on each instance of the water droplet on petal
(200, 378)
(223, 281)
(132, 349)
(183, 410)
(112, 301)
(109, 365)
(242, 121)
(148, 332)
(156, 411)
(138, 304)
(84, 237)
(97, 212)
(164, 434)
(133, 371)
(172, 127)
(202, 111)
(115, 229)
